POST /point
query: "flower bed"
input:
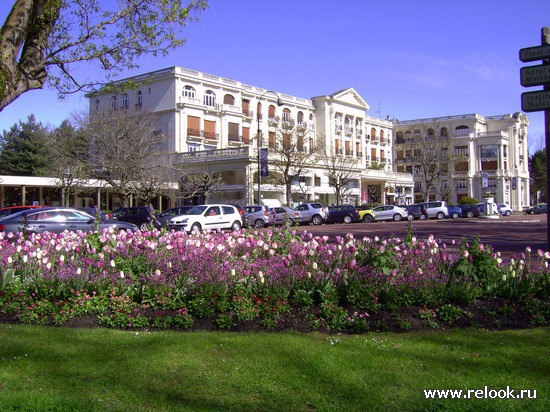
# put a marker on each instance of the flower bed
(267, 279)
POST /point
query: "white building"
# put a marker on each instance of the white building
(488, 156)
(211, 125)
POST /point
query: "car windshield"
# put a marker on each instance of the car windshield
(197, 210)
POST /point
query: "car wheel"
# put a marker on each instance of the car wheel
(196, 227)
(367, 218)
(397, 217)
(455, 215)
(422, 216)
(236, 226)
(317, 220)
(259, 223)
(470, 214)
(508, 213)
(441, 215)
(410, 218)
(144, 226)
(531, 212)
(347, 219)
(291, 222)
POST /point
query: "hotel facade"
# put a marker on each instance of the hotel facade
(216, 125)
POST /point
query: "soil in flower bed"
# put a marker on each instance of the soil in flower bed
(491, 314)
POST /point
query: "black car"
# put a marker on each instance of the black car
(537, 209)
(417, 212)
(138, 215)
(470, 210)
(342, 214)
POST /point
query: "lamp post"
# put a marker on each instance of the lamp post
(279, 103)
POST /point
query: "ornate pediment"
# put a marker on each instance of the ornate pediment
(349, 97)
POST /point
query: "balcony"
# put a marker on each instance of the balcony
(234, 138)
(206, 156)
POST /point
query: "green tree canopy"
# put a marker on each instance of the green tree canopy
(45, 41)
(24, 150)
(537, 172)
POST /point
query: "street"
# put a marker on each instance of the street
(509, 235)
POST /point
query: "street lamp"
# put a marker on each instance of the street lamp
(279, 103)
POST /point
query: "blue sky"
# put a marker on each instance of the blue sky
(407, 59)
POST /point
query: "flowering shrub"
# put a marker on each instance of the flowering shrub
(251, 275)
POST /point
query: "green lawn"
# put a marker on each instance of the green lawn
(64, 369)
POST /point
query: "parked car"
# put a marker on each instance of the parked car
(454, 211)
(537, 209)
(138, 215)
(204, 217)
(342, 214)
(482, 209)
(366, 213)
(505, 210)
(283, 215)
(416, 212)
(470, 210)
(258, 216)
(93, 211)
(10, 210)
(57, 220)
(436, 209)
(163, 218)
(390, 212)
(313, 212)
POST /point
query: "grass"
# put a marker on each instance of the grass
(66, 369)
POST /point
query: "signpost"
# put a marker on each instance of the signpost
(539, 100)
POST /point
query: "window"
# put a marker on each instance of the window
(490, 150)
(97, 104)
(139, 99)
(229, 99)
(189, 91)
(462, 130)
(125, 102)
(300, 118)
(209, 98)
(286, 115)
(113, 102)
(461, 184)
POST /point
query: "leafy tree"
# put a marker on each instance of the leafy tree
(127, 151)
(342, 170)
(432, 154)
(290, 156)
(44, 41)
(537, 172)
(69, 148)
(24, 150)
(200, 184)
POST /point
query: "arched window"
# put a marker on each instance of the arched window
(113, 102)
(209, 98)
(139, 99)
(286, 114)
(381, 134)
(443, 132)
(271, 112)
(189, 91)
(462, 130)
(300, 118)
(372, 133)
(125, 102)
(229, 99)
(259, 110)
(337, 122)
(431, 132)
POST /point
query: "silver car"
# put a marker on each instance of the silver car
(313, 212)
(390, 212)
(258, 216)
(57, 220)
(284, 214)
